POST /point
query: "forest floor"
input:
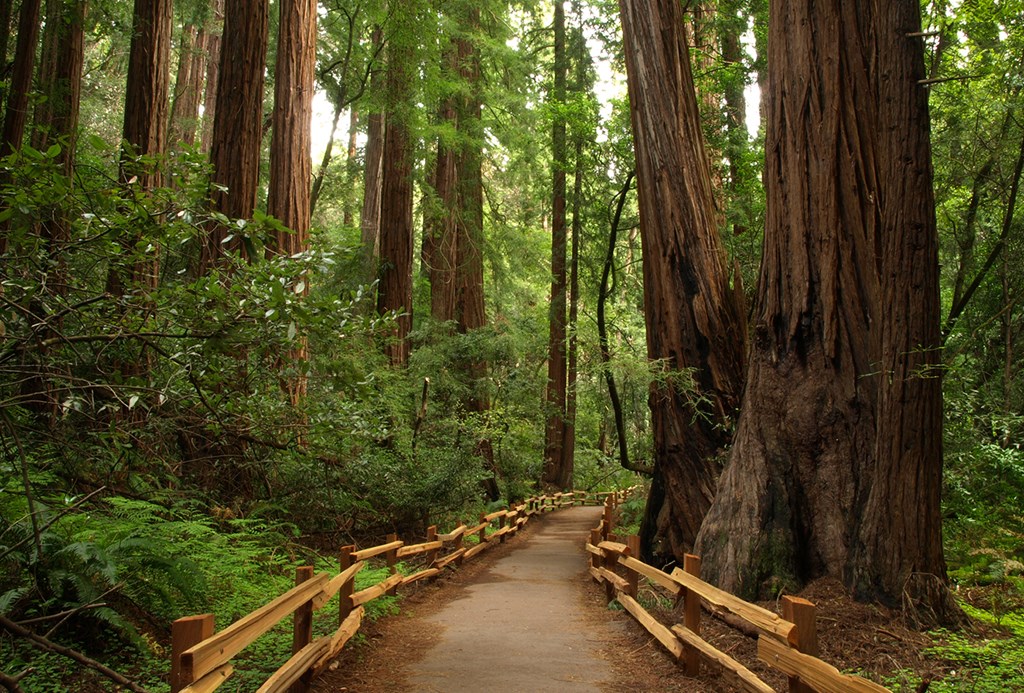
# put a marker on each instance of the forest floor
(527, 617)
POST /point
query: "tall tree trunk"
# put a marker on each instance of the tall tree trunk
(732, 25)
(145, 123)
(288, 198)
(237, 128)
(394, 292)
(695, 332)
(555, 474)
(213, 40)
(569, 440)
(56, 121)
(16, 115)
(443, 215)
(188, 86)
(351, 167)
(369, 219)
(470, 312)
(834, 471)
(5, 33)
(325, 162)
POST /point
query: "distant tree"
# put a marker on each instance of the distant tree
(837, 464)
(557, 469)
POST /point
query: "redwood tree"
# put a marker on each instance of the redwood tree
(288, 199)
(557, 469)
(238, 123)
(837, 464)
(695, 333)
(394, 292)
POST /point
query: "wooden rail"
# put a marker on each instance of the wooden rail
(201, 658)
(787, 643)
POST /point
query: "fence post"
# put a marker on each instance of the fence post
(606, 525)
(802, 613)
(482, 534)
(392, 559)
(691, 613)
(501, 525)
(458, 545)
(345, 593)
(186, 632)
(431, 536)
(633, 545)
(302, 629)
(595, 539)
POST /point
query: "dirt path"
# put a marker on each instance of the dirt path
(519, 626)
(525, 616)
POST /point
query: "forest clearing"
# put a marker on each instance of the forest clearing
(288, 284)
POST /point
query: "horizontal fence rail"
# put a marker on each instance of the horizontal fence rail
(787, 643)
(201, 658)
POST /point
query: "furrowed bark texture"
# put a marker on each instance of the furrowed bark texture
(836, 466)
(693, 321)
(290, 165)
(237, 126)
(394, 293)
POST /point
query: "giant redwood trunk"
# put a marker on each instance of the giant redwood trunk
(693, 323)
(238, 122)
(837, 462)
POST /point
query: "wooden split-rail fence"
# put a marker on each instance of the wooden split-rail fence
(787, 643)
(201, 659)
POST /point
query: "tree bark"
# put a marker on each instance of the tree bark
(145, 123)
(834, 471)
(16, 114)
(369, 220)
(188, 86)
(288, 197)
(237, 128)
(212, 40)
(443, 214)
(695, 332)
(394, 292)
(555, 474)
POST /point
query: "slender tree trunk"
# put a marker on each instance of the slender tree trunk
(833, 471)
(394, 292)
(237, 128)
(555, 474)
(188, 86)
(732, 26)
(213, 41)
(369, 220)
(56, 121)
(442, 222)
(695, 332)
(325, 162)
(16, 115)
(351, 167)
(569, 441)
(5, 33)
